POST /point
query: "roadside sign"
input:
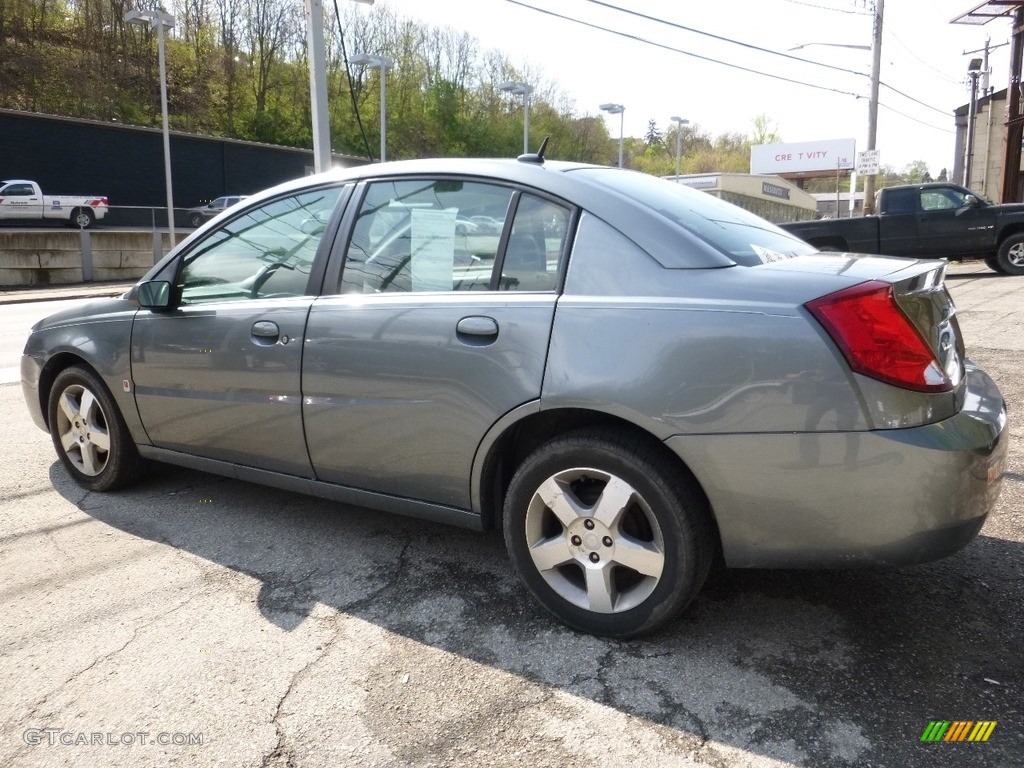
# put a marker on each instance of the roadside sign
(868, 163)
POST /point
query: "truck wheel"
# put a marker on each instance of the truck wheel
(607, 533)
(992, 262)
(81, 218)
(1011, 255)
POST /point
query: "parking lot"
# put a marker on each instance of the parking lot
(196, 620)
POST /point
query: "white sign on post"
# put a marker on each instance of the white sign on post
(868, 162)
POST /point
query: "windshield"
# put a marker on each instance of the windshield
(743, 236)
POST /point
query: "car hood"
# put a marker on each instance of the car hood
(94, 311)
(1009, 207)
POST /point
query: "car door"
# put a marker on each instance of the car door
(219, 375)
(949, 226)
(20, 201)
(432, 335)
(897, 224)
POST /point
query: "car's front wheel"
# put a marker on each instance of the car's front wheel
(195, 220)
(89, 433)
(608, 533)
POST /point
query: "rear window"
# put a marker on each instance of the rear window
(743, 236)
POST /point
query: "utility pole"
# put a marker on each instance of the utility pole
(1014, 123)
(876, 65)
(972, 120)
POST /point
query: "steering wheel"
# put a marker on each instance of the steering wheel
(266, 272)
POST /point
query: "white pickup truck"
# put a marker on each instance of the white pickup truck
(20, 199)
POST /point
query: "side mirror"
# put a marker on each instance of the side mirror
(155, 294)
(970, 201)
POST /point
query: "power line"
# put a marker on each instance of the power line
(722, 39)
(922, 122)
(908, 49)
(829, 8)
(943, 112)
(645, 41)
(729, 40)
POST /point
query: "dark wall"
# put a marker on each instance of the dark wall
(126, 164)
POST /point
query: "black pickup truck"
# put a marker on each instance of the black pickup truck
(924, 221)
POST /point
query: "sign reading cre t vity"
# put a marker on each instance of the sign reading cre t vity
(826, 155)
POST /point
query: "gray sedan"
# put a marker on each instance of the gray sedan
(629, 378)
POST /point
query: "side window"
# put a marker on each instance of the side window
(900, 201)
(535, 246)
(941, 199)
(18, 190)
(266, 252)
(420, 235)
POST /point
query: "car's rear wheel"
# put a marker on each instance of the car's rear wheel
(607, 532)
(81, 218)
(992, 262)
(89, 433)
(1011, 255)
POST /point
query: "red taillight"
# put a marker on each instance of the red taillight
(877, 339)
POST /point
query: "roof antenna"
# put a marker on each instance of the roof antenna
(535, 158)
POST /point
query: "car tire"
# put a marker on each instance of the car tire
(81, 218)
(1011, 255)
(195, 220)
(89, 433)
(992, 262)
(617, 564)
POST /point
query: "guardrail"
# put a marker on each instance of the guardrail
(144, 216)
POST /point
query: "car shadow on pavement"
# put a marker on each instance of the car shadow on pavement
(819, 668)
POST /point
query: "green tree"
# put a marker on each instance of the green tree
(916, 172)
(653, 138)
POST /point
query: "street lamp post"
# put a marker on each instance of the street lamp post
(680, 122)
(524, 89)
(158, 20)
(617, 109)
(383, 63)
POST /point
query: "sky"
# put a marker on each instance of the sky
(923, 56)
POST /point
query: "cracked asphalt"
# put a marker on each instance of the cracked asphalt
(198, 621)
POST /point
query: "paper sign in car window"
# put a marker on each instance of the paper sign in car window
(767, 256)
(433, 250)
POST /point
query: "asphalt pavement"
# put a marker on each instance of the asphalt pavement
(196, 620)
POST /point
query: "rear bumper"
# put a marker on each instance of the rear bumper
(846, 499)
